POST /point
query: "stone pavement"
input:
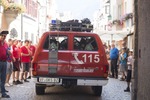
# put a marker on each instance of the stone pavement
(114, 90)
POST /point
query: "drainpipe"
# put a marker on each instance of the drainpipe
(21, 23)
(135, 72)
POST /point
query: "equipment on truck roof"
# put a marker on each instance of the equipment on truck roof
(71, 25)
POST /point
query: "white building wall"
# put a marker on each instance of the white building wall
(17, 25)
(29, 28)
(129, 8)
(114, 10)
(102, 18)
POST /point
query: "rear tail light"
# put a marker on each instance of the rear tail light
(34, 69)
(106, 70)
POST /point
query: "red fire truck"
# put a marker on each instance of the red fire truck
(69, 56)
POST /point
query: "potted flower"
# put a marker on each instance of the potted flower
(12, 7)
(11, 10)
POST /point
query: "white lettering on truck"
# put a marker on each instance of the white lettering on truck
(90, 58)
(84, 70)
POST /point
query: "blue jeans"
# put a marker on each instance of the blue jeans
(3, 67)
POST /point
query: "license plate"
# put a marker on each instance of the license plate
(50, 80)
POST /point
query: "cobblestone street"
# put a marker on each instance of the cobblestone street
(114, 90)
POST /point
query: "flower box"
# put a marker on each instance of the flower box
(16, 7)
(11, 10)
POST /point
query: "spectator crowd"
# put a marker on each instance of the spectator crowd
(120, 61)
(15, 62)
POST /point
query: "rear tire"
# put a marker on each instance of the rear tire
(40, 89)
(97, 90)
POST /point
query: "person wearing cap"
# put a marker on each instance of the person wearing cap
(3, 63)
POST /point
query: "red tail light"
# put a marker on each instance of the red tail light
(106, 70)
(34, 69)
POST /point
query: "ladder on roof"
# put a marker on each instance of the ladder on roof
(53, 55)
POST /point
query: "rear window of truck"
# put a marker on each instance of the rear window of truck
(85, 43)
(56, 42)
(80, 43)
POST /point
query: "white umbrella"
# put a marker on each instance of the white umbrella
(113, 35)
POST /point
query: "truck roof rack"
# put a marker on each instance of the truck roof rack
(71, 25)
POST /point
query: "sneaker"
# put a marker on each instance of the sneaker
(122, 79)
(21, 80)
(116, 77)
(125, 77)
(26, 80)
(10, 84)
(7, 84)
(127, 90)
(18, 82)
(111, 76)
(29, 77)
(6, 91)
(14, 82)
(5, 96)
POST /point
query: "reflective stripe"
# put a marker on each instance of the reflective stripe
(80, 82)
(84, 82)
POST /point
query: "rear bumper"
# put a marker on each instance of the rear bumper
(87, 82)
(79, 82)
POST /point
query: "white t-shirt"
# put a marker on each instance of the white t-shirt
(130, 62)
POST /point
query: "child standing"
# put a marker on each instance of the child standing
(129, 72)
(123, 64)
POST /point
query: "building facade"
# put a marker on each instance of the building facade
(114, 22)
(30, 24)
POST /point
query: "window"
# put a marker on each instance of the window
(32, 37)
(107, 9)
(119, 11)
(26, 35)
(125, 7)
(31, 7)
(85, 43)
(56, 42)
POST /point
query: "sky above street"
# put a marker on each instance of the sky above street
(79, 8)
